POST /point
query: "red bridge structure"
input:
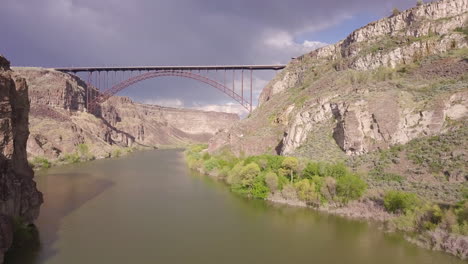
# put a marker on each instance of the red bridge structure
(104, 82)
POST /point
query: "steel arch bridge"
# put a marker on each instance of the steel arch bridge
(105, 82)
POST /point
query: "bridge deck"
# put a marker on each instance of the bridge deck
(184, 68)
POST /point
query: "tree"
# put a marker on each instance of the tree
(306, 192)
(271, 180)
(350, 187)
(248, 174)
(419, 3)
(398, 201)
(291, 164)
(395, 12)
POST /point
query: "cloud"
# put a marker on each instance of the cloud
(177, 103)
(52, 33)
(227, 108)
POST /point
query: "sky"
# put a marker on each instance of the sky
(62, 33)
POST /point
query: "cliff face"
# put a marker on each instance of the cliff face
(390, 82)
(19, 197)
(59, 123)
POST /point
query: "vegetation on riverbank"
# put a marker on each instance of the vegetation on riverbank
(333, 185)
(81, 154)
(315, 183)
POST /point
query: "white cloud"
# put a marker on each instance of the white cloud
(282, 43)
(234, 108)
(177, 103)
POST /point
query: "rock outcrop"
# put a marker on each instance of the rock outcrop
(59, 122)
(394, 80)
(401, 39)
(19, 197)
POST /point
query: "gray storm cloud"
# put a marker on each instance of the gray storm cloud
(147, 32)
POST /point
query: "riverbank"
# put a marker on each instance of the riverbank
(334, 189)
(81, 154)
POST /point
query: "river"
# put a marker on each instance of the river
(149, 208)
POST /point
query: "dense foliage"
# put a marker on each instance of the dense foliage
(315, 183)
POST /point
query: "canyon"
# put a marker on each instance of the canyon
(59, 122)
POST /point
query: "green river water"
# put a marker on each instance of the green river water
(149, 208)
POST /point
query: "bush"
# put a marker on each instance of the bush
(350, 187)
(211, 164)
(289, 192)
(41, 162)
(271, 180)
(291, 164)
(234, 175)
(419, 3)
(328, 189)
(248, 174)
(398, 201)
(312, 169)
(336, 170)
(306, 192)
(395, 12)
(116, 153)
(71, 158)
(259, 190)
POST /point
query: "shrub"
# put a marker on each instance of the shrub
(211, 164)
(234, 175)
(83, 150)
(398, 201)
(336, 170)
(71, 158)
(449, 221)
(419, 3)
(259, 190)
(271, 180)
(289, 192)
(291, 164)
(312, 169)
(41, 162)
(328, 189)
(427, 217)
(395, 12)
(116, 153)
(350, 187)
(248, 174)
(306, 192)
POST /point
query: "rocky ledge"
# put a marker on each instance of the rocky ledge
(19, 198)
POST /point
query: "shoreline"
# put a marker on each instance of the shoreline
(370, 211)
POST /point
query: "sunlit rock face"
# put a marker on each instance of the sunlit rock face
(19, 197)
(394, 80)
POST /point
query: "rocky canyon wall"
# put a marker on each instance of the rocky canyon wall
(394, 80)
(19, 197)
(59, 121)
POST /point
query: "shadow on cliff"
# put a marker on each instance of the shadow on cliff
(63, 194)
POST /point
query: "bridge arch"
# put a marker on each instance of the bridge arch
(104, 96)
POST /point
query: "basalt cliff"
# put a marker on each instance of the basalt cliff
(19, 198)
(60, 124)
(398, 84)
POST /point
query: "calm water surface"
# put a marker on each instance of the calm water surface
(149, 208)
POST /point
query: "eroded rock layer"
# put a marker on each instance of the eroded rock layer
(59, 122)
(19, 198)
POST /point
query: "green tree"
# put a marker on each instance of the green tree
(306, 192)
(248, 174)
(350, 187)
(291, 164)
(271, 180)
(399, 201)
